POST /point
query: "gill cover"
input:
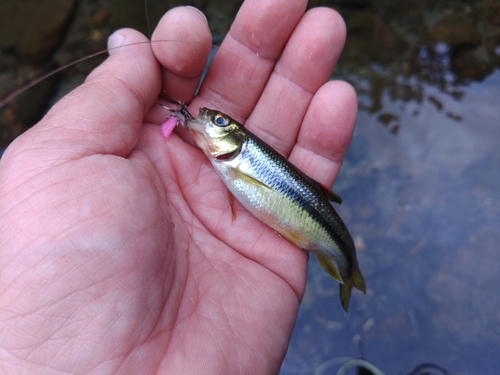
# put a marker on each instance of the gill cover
(227, 140)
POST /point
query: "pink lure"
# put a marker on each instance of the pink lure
(168, 126)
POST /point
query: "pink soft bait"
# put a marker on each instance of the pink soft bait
(168, 127)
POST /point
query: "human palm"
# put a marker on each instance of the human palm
(119, 251)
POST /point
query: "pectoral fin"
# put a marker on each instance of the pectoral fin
(239, 175)
(247, 178)
(329, 267)
(230, 196)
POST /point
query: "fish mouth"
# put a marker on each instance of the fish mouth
(228, 155)
(185, 112)
(182, 115)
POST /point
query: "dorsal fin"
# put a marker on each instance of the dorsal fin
(330, 195)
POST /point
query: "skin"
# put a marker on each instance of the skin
(118, 250)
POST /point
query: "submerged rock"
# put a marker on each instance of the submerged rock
(370, 40)
(456, 31)
(452, 51)
(32, 29)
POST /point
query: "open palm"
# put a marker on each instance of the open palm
(118, 250)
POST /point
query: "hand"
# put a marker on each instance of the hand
(118, 250)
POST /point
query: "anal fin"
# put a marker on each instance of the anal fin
(329, 267)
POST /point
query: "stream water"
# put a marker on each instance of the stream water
(424, 209)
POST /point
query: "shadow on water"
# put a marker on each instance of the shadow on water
(420, 183)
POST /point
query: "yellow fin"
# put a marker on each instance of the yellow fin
(329, 267)
(230, 196)
(247, 178)
(356, 280)
(296, 238)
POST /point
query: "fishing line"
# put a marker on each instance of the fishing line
(24, 88)
(147, 18)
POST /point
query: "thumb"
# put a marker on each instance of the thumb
(105, 114)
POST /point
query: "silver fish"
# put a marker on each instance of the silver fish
(277, 193)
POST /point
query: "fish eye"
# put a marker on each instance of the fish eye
(221, 120)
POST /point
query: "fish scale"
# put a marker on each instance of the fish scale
(288, 192)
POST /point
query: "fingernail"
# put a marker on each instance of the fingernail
(115, 41)
(199, 11)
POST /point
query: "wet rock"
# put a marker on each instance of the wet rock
(143, 16)
(133, 14)
(100, 17)
(23, 111)
(453, 51)
(473, 63)
(30, 31)
(220, 15)
(345, 4)
(456, 31)
(494, 15)
(356, 3)
(33, 28)
(370, 40)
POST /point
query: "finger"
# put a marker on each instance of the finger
(104, 115)
(305, 65)
(182, 43)
(247, 56)
(326, 132)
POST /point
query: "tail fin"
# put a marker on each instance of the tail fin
(356, 280)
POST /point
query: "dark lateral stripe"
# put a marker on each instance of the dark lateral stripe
(290, 189)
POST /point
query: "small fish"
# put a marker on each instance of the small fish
(277, 193)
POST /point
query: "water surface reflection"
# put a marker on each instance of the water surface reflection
(424, 208)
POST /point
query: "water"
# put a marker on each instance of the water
(424, 208)
(421, 191)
